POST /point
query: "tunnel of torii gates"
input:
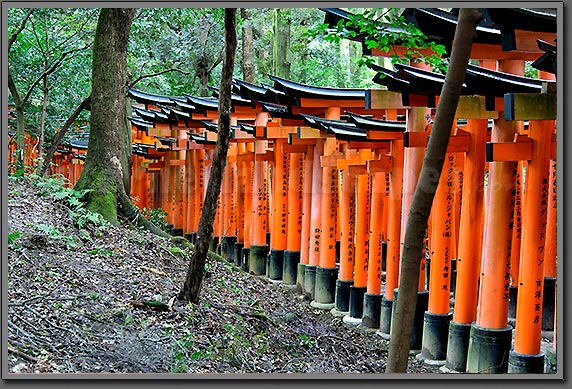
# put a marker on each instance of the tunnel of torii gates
(318, 183)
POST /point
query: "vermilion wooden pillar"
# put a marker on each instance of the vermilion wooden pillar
(315, 222)
(248, 211)
(514, 249)
(492, 309)
(258, 247)
(279, 232)
(326, 272)
(347, 236)
(189, 203)
(306, 220)
(393, 236)
(241, 183)
(527, 356)
(295, 201)
(469, 247)
(437, 316)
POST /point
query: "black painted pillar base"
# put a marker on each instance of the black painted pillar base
(227, 247)
(325, 292)
(213, 245)
(268, 238)
(343, 295)
(188, 237)
(177, 232)
(193, 238)
(356, 301)
(309, 281)
(290, 268)
(550, 361)
(371, 310)
(275, 264)
(385, 317)
(512, 298)
(420, 308)
(338, 245)
(257, 260)
(300, 275)
(525, 363)
(435, 337)
(383, 255)
(458, 347)
(245, 261)
(489, 350)
(237, 254)
(548, 298)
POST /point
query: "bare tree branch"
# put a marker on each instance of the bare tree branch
(59, 136)
(19, 30)
(158, 74)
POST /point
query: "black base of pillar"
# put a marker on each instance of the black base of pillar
(356, 301)
(227, 247)
(268, 238)
(418, 320)
(435, 336)
(550, 361)
(385, 316)
(245, 262)
(489, 350)
(548, 297)
(453, 277)
(458, 346)
(371, 310)
(338, 245)
(309, 281)
(193, 237)
(237, 254)
(257, 260)
(343, 295)
(300, 276)
(275, 264)
(290, 268)
(169, 228)
(213, 245)
(188, 237)
(512, 296)
(177, 232)
(525, 363)
(325, 292)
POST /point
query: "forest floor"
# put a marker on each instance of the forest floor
(78, 302)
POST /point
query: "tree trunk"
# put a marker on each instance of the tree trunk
(194, 278)
(247, 46)
(60, 135)
(282, 43)
(203, 62)
(402, 321)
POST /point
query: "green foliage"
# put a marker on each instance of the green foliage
(383, 32)
(157, 216)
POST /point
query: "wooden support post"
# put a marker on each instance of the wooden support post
(393, 235)
(258, 248)
(190, 193)
(248, 210)
(295, 202)
(469, 249)
(347, 234)
(240, 203)
(516, 226)
(550, 245)
(492, 310)
(306, 219)
(279, 231)
(315, 222)
(527, 357)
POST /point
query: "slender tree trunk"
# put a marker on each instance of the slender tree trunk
(247, 46)
(46, 92)
(402, 321)
(203, 63)
(282, 42)
(60, 135)
(194, 278)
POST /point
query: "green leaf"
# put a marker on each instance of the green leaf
(13, 236)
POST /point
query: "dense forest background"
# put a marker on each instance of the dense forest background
(171, 51)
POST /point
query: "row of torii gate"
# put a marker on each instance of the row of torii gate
(318, 184)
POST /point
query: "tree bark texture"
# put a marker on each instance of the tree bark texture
(195, 272)
(247, 46)
(282, 43)
(104, 171)
(402, 321)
